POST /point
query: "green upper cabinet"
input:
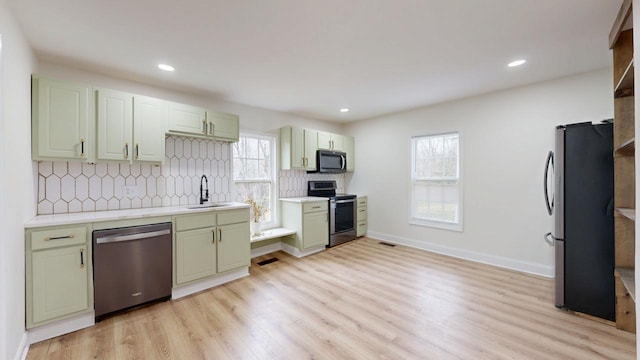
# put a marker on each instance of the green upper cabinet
(330, 141)
(61, 115)
(115, 124)
(349, 149)
(223, 126)
(149, 119)
(189, 120)
(298, 148)
(130, 127)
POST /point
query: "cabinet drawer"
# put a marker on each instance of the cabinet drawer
(362, 201)
(315, 206)
(233, 216)
(361, 228)
(52, 238)
(195, 221)
(362, 213)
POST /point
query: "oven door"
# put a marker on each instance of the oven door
(343, 215)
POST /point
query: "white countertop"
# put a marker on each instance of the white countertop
(97, 216)
(304, 199)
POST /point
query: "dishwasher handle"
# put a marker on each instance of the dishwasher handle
(129, 237)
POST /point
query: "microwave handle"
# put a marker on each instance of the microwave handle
(343, 162)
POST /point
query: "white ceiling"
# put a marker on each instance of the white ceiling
(312, 58)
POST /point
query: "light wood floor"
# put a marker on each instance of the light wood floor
(362, 300)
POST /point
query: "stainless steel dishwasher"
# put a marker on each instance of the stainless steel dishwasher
(131, 266)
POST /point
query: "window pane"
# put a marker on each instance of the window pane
(436, 192)
(253, 172)
(252, 148)
(261, 194)
(436, 202)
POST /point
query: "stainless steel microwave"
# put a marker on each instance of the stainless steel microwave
(330, 162)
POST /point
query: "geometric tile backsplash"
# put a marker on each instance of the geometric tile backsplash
(68, 187)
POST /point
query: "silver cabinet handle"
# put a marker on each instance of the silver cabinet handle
(137, 151)
(204, 127)
(81, 258)
(547, 239)
(213, 236)
(219, 235)
(126, 150)
(82, 154)
(59, 237)
(137, 236)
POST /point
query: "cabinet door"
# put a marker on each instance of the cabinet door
(298, 160)
(315, 229)
(115, 122)
(330, 141)
(233, 246)
(337, 142)
(310, 148)
(324, 140)
(61, 113)
(149, 119)
(187, 119)
(224, 126)
(195, 254)
(59, 282)
(348, 148)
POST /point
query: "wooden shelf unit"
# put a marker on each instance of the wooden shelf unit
(621, 42)
(628, 148)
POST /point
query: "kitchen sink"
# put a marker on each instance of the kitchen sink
(209, 205)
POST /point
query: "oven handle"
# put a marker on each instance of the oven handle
(343, 201)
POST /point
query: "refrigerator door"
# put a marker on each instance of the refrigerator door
(588, 229)
(558, 215)
(558, 185)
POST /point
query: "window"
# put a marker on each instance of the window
(254, 169)
(436, 188)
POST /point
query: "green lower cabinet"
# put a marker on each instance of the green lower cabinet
(315, 229)
(233, 248)
(59, 282)
(195, 254)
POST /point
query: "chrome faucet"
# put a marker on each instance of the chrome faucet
(204, 189)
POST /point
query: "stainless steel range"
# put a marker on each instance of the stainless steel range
(342, 211)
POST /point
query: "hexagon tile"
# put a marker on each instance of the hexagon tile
(66, 187)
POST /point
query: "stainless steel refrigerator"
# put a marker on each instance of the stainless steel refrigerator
(578, 188)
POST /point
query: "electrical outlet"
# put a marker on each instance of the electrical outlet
(130, 191)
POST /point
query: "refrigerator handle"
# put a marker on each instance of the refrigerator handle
(548, 238)
(546, 178)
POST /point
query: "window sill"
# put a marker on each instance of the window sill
(436, 224)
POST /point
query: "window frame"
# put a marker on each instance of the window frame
(273, 201)
(435, 223)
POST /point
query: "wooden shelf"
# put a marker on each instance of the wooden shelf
(628, 277)
(628, 213)
(625, 85)
(624, 21)
(628, 148)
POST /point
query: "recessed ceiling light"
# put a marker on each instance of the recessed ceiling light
(165, 67)
(343, 110)
(517, 63)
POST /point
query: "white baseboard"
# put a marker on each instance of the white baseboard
(60, 327)
(292, 250)
(23, 347)
(208, 283)
(499, 261)
(267, 249)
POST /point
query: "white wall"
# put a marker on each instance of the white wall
(505, 137)
(17, 202)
